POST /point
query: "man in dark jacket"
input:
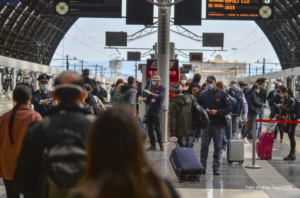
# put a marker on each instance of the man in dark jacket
(254, 108)
(26, 82)
(181, 122)
(87, 80)
(271, 95)
(130, 93)
(195, 84)
(30, 178)
(263, 99)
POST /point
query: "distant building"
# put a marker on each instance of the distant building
(223, 70)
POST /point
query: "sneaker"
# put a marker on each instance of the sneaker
(275, 140)
(239, 136)
(281, 141)
(245, 141)
(249, 137)
(217, 172)
(151, 148)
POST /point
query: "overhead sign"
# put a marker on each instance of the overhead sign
(183, 71)
(213, 39)
(9, 1)
(88, 8)
(240, 9)
(196, 57)
(187, 67)
(116, 39)
(134, 56)
(152, 64)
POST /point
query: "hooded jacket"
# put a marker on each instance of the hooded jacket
(181, 122)
(130, 95)
(254, 103)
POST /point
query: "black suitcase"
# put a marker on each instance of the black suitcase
(186, 164)
(235, 147)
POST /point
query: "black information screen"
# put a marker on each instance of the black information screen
(88, 8)
(240, 9)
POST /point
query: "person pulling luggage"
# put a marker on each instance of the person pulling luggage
(217, 104)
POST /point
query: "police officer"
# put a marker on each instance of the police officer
(216, 102)
(241, 104)
(155, 101)
(42, 98)
(26, 82)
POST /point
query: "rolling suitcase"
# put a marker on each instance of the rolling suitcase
(264, 145)
(186, 164)
(235, 147)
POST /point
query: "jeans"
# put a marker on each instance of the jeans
(215, 132)
(154, 122)
(227, 136)
(251, 117)
(261, 117)
(186, 140)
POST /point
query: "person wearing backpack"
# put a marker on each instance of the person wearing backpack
(87, 80)
(52, 157)
(13, 127)
(180, 116)
(129, 92)
(118, 95)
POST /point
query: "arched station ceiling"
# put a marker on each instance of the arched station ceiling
(29, 31)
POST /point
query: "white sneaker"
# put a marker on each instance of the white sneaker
(245, 141)
(275, 140)
(239, 136)
(281, 141)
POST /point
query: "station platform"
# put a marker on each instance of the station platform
(277, 178)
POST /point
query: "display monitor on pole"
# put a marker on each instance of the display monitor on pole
(196, 57)
(116, 39)
(139, 12)
(188, 12)
(213, 40)
(134, 56)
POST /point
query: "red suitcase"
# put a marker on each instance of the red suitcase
(264, 145)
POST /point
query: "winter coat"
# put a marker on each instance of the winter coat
(254, 104)
(92, 102)
(180, 116)
(9, 153)
(192, 85)
(288, 107)
(130, 95)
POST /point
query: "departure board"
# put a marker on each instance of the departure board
(240, 9)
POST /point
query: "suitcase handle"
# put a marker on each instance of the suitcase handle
(177, 145)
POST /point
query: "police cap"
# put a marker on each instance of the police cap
(43, 78)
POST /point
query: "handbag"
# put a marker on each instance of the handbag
(286, 128)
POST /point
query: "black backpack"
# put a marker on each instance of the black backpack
(64, 156)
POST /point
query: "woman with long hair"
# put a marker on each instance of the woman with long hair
(287, 109)
(13, 127)
(278, 99)
(90, 100)
(185, 85)
(194, 87)
(117, 166)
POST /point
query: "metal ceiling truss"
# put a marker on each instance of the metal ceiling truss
(29, 31)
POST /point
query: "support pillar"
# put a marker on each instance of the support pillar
(144, 82)
(285, 81)
(293, 84)
(163, 62)
(36, 76)
(14, 79)
(269, 88)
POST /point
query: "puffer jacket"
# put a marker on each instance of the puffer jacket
(92, 102)
(181, 122)
(289, 107)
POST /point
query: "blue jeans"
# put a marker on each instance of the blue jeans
(186, 140)
(214, 132)
(251, 117)
(226, 135)
(261, 117)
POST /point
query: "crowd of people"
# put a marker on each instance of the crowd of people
(72, 146)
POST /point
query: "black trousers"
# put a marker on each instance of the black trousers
(276, 132)
(292, 137)
(154, 123)
(10, 191)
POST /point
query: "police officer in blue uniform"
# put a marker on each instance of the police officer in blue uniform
(26, 82)
(42, 98)
(217, 104)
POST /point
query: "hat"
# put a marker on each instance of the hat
(43, 78)
(211, 78)
(261, 80)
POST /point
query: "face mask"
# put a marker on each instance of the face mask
(233, 86)
(183, 82)
(26, 81)
(154, 83)
(135, 87)
(44, 87)
(210, 87)
(256, 90)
